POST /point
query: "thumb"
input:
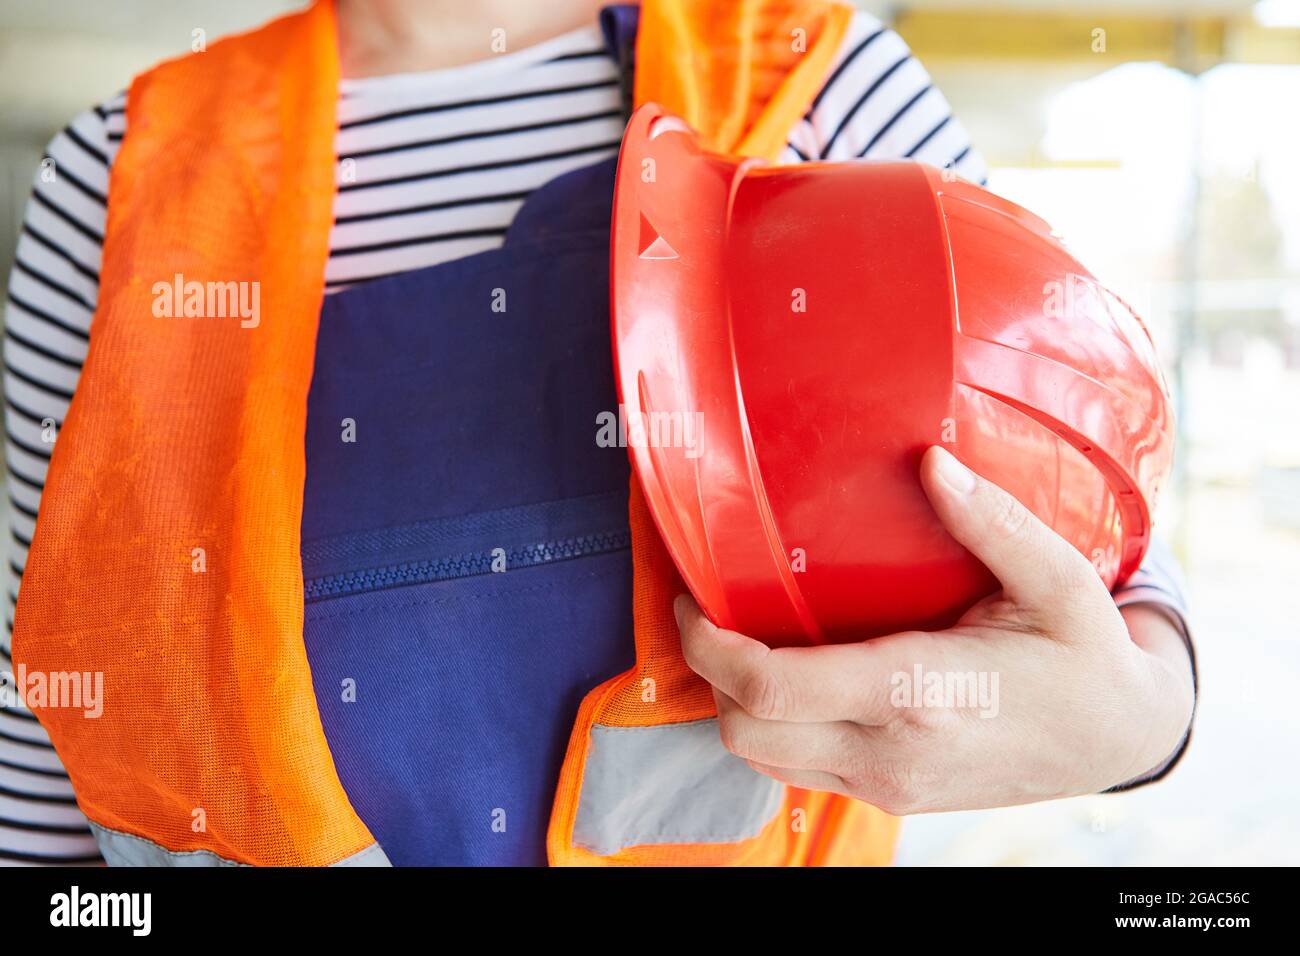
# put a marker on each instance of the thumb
(1033, 563)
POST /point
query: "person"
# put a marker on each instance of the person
(443, 141)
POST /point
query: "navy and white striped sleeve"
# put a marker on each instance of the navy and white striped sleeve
(1158, 581)
(878, 102)
(51, 297)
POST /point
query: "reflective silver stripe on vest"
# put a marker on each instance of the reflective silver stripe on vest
(674, 783)
(125, 849)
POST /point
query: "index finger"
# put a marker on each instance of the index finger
(797, 684)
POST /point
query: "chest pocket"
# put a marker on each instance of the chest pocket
(465, 541)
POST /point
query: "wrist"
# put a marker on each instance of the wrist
(1171, 700)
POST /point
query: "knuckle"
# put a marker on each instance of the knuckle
(736, 737)
(1071, 578)
(764, 695)
(1076, 573)
(854, 766)
(912, 724)
(1079, 592)
(740, 738)
(893, 788)
(1009, 519)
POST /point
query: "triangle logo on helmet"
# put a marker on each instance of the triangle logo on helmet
(653, 245)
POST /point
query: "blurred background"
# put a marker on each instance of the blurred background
(1161, 137)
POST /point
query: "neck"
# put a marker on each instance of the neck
(378, 37)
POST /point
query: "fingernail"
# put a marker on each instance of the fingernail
(954, 474)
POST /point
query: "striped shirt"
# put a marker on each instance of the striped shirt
(432, 167)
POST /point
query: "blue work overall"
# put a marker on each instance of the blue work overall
(466, 555)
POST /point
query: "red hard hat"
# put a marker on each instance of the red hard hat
(790, 339)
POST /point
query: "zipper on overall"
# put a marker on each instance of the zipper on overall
(464, 565)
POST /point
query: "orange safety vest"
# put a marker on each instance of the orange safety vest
(186, 436)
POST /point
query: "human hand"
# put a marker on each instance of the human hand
(1067, 696)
